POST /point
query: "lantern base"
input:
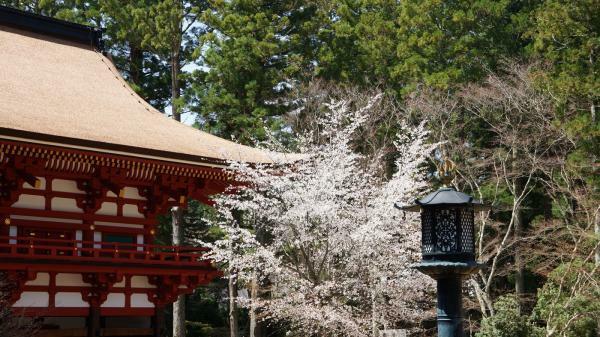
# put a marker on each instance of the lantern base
(449, 276)
(442, 269)
(449, 306)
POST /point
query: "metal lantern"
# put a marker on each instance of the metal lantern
(448, 250)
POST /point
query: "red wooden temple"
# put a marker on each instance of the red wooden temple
(86, 166)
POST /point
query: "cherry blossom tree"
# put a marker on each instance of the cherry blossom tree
(321, 237)
(13, 323)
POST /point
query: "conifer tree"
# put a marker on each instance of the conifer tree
(401, 45)
(442, 43)
(252, 56)
(357, 41)
(145, 71)
(169, 29)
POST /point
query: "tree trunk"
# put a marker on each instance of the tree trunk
(597, 257)
(175, 85)
(177, 212)
(179, 305)
(519, 265)
(179, 317)
(597, 230)
(485, 304)
(374, 329)
(135, 64)
(233, 312)
(518, 234)
(253, 298)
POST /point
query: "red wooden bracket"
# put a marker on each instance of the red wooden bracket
(102, 283)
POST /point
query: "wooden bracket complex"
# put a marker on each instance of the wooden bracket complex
(102, 283)
(169, 191)
(14, 172)
(169, 287)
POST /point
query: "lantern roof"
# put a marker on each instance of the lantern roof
(59, 89)
(444, 196)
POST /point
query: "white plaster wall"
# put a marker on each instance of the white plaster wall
(65, 205)
(64, 279)
(97, 238)
(132, 211)
(107, 208)
(33, 299)
(12, 231)
(69, 300)
(140, 301)
(132, 193)
(42, 279)
(30, 201)
(62, 185)
(114, 301)
(140, 282)
(140, 241)
(79, 236)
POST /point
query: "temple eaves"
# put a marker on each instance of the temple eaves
(58, 89)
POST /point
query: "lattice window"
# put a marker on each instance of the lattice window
(427, 239)
(467, 226)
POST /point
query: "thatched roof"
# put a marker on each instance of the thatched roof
(64, 93)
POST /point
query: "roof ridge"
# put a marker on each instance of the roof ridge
(50, 26)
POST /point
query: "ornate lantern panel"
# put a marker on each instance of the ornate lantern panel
(447, 232)
(447, 225)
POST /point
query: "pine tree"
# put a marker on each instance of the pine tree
(567, 33)
(442, 43)
(400, 45)
(357, 41)
(252, 56)
(169, 29)
(145, 70)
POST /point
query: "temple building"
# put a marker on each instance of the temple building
(86, 166)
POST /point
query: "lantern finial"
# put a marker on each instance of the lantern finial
(446, 171)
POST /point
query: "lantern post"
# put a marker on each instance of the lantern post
(448, 250)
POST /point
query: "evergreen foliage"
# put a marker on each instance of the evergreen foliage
(251, 57)
(566, 34)
(569, 301)
(508, 322)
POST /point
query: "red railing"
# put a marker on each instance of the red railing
(97, 251)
